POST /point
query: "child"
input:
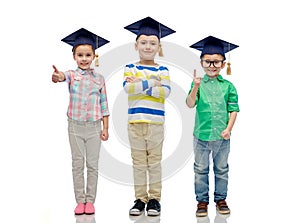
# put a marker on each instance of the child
(148, 85)
(216, 102)
(87, 108)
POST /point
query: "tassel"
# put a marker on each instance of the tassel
(96, 60)
(160, 51)
(228, 68)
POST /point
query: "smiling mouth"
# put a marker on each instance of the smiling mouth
(212, 70)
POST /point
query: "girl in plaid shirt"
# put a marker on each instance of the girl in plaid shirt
(87, 116)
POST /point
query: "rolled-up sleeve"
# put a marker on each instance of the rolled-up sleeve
(103, 101)
(232, 104)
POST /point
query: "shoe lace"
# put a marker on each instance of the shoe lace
(202, 205)
(222, 204)
(138, 204)
(152, 204)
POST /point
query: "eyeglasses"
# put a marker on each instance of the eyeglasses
(215, 63)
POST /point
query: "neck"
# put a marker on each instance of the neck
(85, 69)
(147, 62)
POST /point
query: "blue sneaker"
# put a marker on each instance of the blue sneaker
(153, 207)
(138, 208)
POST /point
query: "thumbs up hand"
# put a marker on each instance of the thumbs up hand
(57, 75)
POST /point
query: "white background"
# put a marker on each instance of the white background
(35, 163)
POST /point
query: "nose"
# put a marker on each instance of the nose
(211, 64)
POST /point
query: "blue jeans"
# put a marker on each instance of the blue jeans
(220, 151)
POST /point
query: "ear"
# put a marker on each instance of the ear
(223, 65)
(135, 46)
(201, 64)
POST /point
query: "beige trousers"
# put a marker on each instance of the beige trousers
(85, 146)
(146, 141)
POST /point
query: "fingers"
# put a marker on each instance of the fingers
(55, 75)
(130, 79)
(55, 69)
(104, 137)
(195, 73)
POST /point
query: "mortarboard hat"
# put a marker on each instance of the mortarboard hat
(213, 45)
(83, 36)
(149, 26)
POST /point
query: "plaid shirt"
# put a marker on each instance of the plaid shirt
(88, 99)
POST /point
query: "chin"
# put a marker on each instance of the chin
(212, 74)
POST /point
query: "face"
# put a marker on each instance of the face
(147, 46)
(84, 56)
(212, 64)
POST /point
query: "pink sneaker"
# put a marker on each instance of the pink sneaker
(79, 209)
(89, 208)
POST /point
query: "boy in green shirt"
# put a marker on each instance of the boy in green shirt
(216, 102)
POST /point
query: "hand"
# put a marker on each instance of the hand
(57, 75)
(196, 80)
(226, 134)
(157, 83)
(132, 79)
(104, 135)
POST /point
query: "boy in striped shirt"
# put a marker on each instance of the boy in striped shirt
(147, 85)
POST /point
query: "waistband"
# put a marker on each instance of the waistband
(93, 123)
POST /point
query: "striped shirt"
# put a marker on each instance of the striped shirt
(88, 99)
(146, 102)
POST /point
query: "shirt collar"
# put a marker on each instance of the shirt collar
(85, 72)
(206, 78)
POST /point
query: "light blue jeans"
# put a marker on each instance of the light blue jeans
(220, 151)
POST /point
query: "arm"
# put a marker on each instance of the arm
(191, 98)
(104, 133)
(162, 88)
(232, 118)
(233, 109)
(134, 85)
(105, 112)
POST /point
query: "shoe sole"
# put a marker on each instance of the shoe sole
(223, 212)
(201, 214)
(136, 213)
(153, 213)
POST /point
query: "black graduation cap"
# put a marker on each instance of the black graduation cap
(213, 45)
(149, 26)
(83, 36)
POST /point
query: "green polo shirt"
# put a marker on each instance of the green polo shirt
(216, 98)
